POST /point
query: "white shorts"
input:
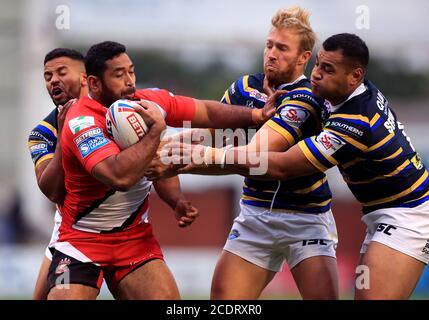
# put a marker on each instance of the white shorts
(402, 229)
(268, 239)
(54, 236)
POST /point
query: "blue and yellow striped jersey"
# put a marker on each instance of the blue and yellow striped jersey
(43, 139)
(373, 153)
(298, 115)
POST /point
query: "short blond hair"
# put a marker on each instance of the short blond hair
(297, 18)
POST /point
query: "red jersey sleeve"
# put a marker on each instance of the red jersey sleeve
(87, 139)
(177, 108)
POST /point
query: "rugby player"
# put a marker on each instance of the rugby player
(64, 74)
(65, 78)
(279, 218)
(104, 232)
(365, 139)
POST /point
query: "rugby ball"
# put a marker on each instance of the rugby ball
(124, 124)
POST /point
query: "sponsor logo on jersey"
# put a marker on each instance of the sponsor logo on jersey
(39, 148)
(90, 141)
(258, 95)
(232, 89)
(234, 234)
(329, 143)
(294, 116)
(303, 96)
(63, 266)
(80, 123)
(344, 126)
(88, 134)
(37, 134)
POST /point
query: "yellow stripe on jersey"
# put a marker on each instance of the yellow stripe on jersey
(310, 157)
(425, 195)
(45, 157)
(253, 189)
(381, 143)
(34, 142)
(399, 195)
(246, 84)
(311, 188)
(301, 104)
(301, 88)
(244, 197)
(374, 119)
(321, 204)
(226, 97)
(49, 126)
(246, 186)
(391, 174)
(350, 116)
(350, 140)
(279, 129)
(394, 155)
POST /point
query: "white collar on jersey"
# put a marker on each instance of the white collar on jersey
(280, 87)
(359, 90)
(89, 96)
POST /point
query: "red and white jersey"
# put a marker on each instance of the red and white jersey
(90, 205)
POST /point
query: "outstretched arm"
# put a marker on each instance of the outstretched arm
(270, 165)
(214, 114)
(196, 159)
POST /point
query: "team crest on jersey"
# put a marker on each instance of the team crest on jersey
(329, 143)
(234, 234)
(417, 162)
(80, 123)
(294, 116)
(63, 266)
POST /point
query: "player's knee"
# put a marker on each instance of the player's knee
(218, 291)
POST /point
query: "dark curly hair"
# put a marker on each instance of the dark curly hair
(353, 48)
(63, 52)
(98, 54)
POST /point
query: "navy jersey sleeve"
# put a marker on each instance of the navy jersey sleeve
(232, 94)
(43, 139)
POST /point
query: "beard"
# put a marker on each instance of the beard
(108, 96)
(276, 79)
